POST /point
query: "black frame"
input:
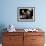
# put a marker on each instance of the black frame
(29, 19)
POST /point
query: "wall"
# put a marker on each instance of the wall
(9, 13)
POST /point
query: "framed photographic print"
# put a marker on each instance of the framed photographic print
(26, 14)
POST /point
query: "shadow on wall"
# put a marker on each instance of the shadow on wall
(2, 26)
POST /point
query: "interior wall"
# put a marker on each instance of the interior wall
(9, 13)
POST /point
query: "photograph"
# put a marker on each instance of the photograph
(26, 14)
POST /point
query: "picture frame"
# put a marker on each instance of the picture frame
(26, 14)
